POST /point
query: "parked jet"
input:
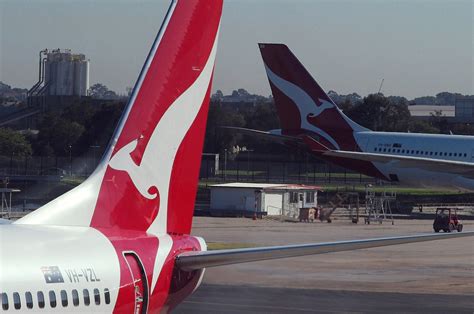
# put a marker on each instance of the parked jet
(120, 242)
(309, 116)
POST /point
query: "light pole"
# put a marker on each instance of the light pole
(225, 165)
(94, 161)
(248, 163)
(70, 160)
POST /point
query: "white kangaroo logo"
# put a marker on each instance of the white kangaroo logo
(319, 109)
(158, 158)
(305, 104)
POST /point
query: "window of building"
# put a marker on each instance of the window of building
(412, 151)
(309, 197)
(16, 300)
(375, 149)
(455, 154)
(64, 298)
(75, 297)
(4, 301)
(445, 154)
(450, 154)
(40, 296)
(87, 299)
(293, 197)
(384, 150)
(29, 300)
(431, 153)
(417, 152)
(107, 296)
(465, 155)
(97, 296)
(52, 298)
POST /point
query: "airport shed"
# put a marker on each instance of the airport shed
(249, 199)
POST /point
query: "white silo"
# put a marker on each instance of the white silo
(81, 75)
(66, 74)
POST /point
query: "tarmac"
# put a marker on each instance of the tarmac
(248, 299)
(430, 277)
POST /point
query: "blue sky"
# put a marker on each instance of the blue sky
(418, 47)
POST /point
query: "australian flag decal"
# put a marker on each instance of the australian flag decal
(52, 274)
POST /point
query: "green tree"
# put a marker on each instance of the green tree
(396, 117)
(218, 139)
(101, 127)
(59, 133)
(463, 129)
(101, 91)
(378, 113)
(439, 121)
(13, 143)
(419, 126)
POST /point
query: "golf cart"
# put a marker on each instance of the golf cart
(446, 219)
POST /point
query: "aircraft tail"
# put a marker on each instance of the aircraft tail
(302, 104)
(147, 179)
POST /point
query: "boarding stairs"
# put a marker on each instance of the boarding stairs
(377, 206)
(347, 204)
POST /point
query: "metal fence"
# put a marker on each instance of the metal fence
(271, 171)
(46, 166)
(224, 170)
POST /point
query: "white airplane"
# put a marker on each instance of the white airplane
(309, 116)
(120, 242)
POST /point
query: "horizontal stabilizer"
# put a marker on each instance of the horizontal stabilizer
(277, 138)
(203, 259)
(314, 145)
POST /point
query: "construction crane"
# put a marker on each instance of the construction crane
(380, 87)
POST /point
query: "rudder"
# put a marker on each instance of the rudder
(301, 103)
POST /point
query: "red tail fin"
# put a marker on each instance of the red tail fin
(148, 178)
(301, 103)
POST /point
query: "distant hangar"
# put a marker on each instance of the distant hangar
(461, 112)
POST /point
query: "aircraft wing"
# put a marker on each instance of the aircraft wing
(461, 168)
(203, 259)
(465, 169)
(281, 139)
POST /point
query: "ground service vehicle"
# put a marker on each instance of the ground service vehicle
(446, 219)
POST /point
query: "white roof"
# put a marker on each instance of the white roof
(246, 185)
(266, 186)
